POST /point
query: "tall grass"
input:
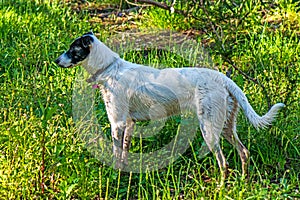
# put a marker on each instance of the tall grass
(42, 157)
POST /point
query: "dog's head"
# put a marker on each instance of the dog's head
(79, 51)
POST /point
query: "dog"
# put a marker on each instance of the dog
(134, 92)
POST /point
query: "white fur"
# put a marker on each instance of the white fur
(134, 92)
(181, 81)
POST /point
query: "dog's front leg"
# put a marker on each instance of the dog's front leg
(127, 140)
(117, 136)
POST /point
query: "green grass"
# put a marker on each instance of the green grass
(36, 113)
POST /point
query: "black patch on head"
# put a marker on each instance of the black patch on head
(80, 49)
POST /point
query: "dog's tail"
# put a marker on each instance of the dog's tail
(254, 118)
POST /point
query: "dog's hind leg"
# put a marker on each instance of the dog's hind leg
(127, 140)
(212, 140)
(211, 109)
(231, 136)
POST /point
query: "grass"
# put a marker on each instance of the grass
(41, 155)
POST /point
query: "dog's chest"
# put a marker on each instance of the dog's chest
(107, 98)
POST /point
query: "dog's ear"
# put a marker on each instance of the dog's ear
(86, 41)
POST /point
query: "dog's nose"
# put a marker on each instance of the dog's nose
(57, 60)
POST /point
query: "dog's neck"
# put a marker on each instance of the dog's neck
(95, 77)
(100, 58)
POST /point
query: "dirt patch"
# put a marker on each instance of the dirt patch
(112, 15)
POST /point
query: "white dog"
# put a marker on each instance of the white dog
(133, 92)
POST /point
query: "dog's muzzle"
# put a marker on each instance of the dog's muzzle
(57, 61)
(64, 61)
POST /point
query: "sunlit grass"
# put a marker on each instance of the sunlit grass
(36, 103)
